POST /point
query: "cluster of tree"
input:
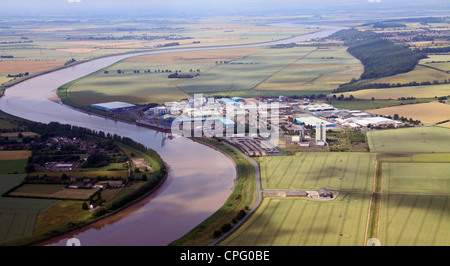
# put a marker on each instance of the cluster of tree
(381, 58)
(227, 226)
(284, 46)
(355, 86)
(387, 24)
(404, 119)
(68, 62)
(169, 44)
(177, 75)
(434, 50)
(14, 42)
(20, 75)
(342, 97)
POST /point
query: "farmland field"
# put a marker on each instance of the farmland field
(313, 170)
(323, 69)
(237, 72)
(414, 220)
(148, 86)
(419, 139)
(87, 174)
(9, 167)
(14, 155)
(17, 215)
(304, 222)
(52, 191)
(427, 113)
(429, 91)
(416, 177)
(418, 74)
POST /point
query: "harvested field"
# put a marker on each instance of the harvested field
(12, 67)
(14, 155)
(197, 57)
(429, 91)
(427, 113)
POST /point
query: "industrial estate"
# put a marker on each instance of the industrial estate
(338, 127)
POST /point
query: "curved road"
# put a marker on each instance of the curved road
(200, 178)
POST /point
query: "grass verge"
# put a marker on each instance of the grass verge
(242, 197)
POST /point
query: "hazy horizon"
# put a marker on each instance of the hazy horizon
(223, 7)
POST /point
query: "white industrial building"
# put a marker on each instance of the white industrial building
(321, 133)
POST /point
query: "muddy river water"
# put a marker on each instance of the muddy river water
(200, 178)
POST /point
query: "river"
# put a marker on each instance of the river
(200, 178)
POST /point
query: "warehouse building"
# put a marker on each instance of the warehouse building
(114, 106)
(310, 120)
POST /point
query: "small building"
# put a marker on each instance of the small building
(296, 193)
(325, 193)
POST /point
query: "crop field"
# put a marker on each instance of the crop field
(18, 215)
(12, 67)
(314, 170)
(304, 222)
(441, 61)
(427, 113)
(13, 166)
(445, 125)
(14, 155)
(418, 139)
(419, 74)
(87, 174)
(237, 72)
(429, 91)
(414, 220)
(245, 73)
(148, 86)
(323, 69)
(416, 177)
(52, 191)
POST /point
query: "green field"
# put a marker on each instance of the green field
(18, 215)
(247, 72)
(314, 170)
(323, 69)
(416, 177)
(52, 191)
(304, 222)
(418, 139)
(87, 174)
(414, 220)
(15, 166)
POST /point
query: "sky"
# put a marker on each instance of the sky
(220, 7)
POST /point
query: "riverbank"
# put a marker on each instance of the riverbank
(243, 197)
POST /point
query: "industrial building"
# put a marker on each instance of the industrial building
(321, 134)
(310, 120)
(114, 106)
